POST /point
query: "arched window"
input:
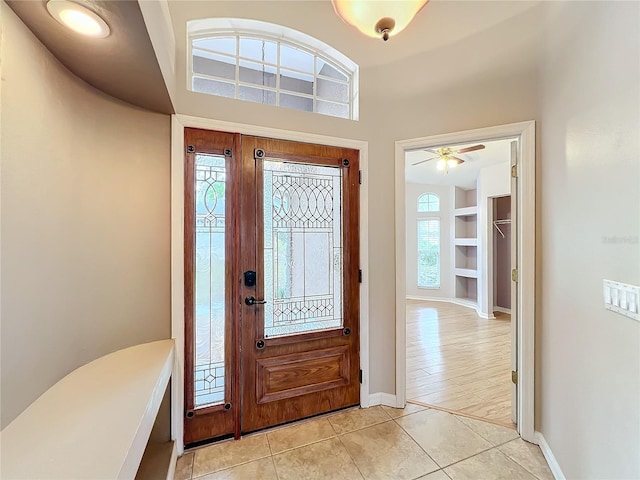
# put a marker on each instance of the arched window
(270, 64)
(428, 202)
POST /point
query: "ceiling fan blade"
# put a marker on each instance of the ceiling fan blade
(470, 149)
(458, 159)
(430, 150)
(422, 161)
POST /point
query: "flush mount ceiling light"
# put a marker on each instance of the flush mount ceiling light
(378, 19)
(78, 18)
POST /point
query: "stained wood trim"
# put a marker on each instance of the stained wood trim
(236, 161)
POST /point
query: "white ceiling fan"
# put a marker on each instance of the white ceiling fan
(446, 156)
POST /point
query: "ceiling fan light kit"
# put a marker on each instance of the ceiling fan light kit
(378, 19)
(446, 157)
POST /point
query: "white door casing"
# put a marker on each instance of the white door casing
(524, 133)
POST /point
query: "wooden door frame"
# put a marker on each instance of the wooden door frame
(524, 132)
(178, 124)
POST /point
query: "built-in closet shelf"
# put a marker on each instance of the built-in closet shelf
(95, 422)
(465, 212)
(466, 272)
(466, 242)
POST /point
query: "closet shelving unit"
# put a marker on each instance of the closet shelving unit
(465, 230)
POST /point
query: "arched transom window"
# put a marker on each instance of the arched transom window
(270, 64)
(428, 202)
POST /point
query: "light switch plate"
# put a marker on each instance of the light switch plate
(622, 298)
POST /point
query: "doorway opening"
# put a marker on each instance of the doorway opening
(459, 345)
(271, 266)
(465, 229)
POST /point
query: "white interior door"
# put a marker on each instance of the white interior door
(514, 284)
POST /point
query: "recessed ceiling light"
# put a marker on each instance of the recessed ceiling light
(78, 18)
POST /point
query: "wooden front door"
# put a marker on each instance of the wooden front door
(278, 338)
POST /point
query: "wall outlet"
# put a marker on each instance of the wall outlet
(622, 298)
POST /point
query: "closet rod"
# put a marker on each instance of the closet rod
(501, 222)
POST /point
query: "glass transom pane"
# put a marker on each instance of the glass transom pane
(209, 308)
(257, 49)
(218, 44)
(291, 64)
(291, 57)
(302, 248)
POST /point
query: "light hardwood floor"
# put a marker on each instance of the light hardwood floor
(459, 361)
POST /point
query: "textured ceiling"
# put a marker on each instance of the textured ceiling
(122, 65)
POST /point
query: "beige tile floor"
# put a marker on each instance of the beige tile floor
(374, 443)
(459, 361)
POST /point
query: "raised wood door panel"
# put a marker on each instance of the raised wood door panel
(288, 376)
(210, 179)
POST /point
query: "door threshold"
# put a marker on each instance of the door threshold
(227, 438)
(463, 414)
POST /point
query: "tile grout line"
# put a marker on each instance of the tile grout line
(516, 461)
(416, 442)
(275, 469)
(350, 456)
(485, 451)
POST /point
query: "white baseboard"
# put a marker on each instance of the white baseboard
(551, 459)
(456, 301)
(381, 398)
(502, 310)
(429, 299)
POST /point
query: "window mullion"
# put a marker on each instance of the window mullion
(214, 58)
(237, 66)
(278, 74)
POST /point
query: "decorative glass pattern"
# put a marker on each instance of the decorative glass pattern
(302, 248)
(210, 180)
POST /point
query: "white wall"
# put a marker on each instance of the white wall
(413, 191)
(85, 221)
(589, 208)
(493, 181)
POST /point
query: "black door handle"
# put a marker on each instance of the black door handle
(251, 300)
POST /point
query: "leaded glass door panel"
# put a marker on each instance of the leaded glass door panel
(271, 282)
(210, 226)
(300, 319)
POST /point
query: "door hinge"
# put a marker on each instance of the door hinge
(360, 177)
(514, 171)
(514, 275)
(360, 376)
(360, 276)
(514, 377)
